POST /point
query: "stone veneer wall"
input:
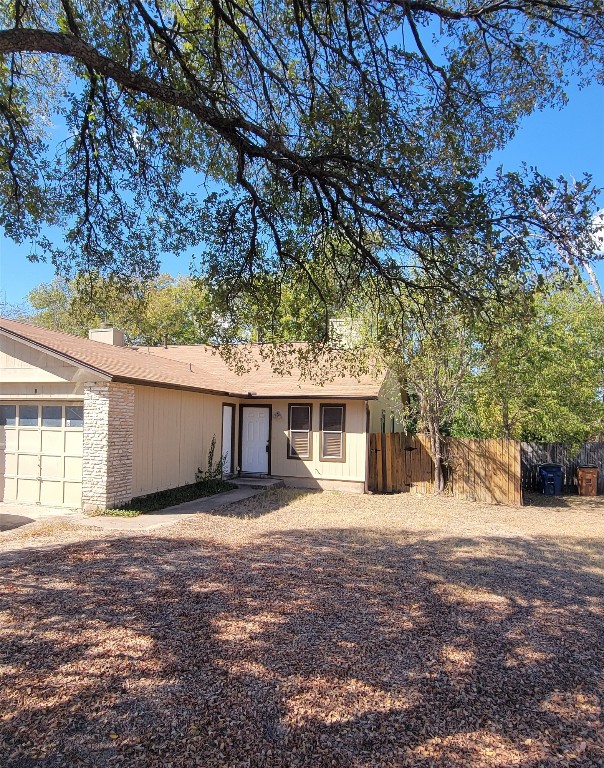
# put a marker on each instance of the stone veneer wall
(108, 444)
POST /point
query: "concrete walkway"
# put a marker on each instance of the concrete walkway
(16, 515)
(36, 511)
(247, 487)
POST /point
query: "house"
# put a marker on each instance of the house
(93, 423)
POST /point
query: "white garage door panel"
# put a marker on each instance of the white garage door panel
(52, 467)
(72, 494)
(41, 464)
(74, 442)
(27, 490)
(51, 493)
(10, 488)
(10, 464)
(28, 465)
(53, 442)
(73, 468)
(28, 439)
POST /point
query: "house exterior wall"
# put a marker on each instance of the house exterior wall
(28, 374)
(140, 439)
(23, 364)
(173, 431)
(315, 473)
(108, 444)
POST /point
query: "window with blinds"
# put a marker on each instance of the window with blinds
(333, 444)
(299, 445)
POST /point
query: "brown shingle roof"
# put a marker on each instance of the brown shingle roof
(118, 363)
(262, 381)
(197, 368)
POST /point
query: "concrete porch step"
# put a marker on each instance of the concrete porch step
(258, 483)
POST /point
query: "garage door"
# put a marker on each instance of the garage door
(41, 453)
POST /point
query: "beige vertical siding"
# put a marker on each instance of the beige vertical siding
(22, 363)
(173, 431)
(356, 445)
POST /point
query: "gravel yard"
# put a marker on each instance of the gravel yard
(310, 630)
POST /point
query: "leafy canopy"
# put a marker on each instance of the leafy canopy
(251, 130)
(541, 376)
(169, 309)
(533, 370)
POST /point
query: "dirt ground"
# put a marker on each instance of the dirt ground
(308, 629)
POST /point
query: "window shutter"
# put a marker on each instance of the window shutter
(300, 444)
(332, 445)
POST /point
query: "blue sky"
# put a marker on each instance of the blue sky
(567, 142)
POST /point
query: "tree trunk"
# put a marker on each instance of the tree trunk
(436, 446)
(505, 418)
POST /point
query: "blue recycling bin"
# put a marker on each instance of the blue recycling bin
(550, 476)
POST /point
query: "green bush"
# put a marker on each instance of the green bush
(122, 512)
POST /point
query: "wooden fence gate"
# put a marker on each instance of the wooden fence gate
(477, 470)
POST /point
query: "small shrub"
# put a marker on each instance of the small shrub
(122, 512)
(214, 470)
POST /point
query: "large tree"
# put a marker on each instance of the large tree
(163, 309)
(369, 121)
(434, 363)
(540, 374)
(529, 370)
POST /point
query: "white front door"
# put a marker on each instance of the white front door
(255, 426)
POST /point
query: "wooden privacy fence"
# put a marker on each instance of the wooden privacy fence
(477, 470)
(534, 454)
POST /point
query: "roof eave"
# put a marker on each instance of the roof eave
(100, 373)
(311, 396)
(168, 385)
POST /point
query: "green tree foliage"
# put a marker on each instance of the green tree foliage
(541, 375)
(529, 370)
(300, 118)
(296, 304)
(149, 312)
(431, 350)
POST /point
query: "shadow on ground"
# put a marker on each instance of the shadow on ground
(322, 648)
(9, 522)
(568, 501)
(264, 504)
